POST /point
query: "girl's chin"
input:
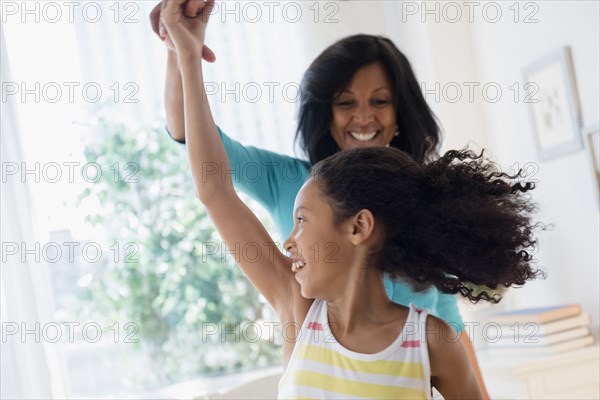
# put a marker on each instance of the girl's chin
(306, 296)
(304, 290)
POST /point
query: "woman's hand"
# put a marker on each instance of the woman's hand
(158, 28)
(181, 32)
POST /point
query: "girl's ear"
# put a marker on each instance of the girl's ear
(362, 226)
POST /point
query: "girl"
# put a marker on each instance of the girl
(382, 213)
(342, 105)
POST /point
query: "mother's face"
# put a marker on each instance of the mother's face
(364, 114)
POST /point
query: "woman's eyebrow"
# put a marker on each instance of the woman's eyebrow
(376, 90)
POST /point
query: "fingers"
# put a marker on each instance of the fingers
(155, 18)
(193, 8)
(207, 10)
(189, 8)
(171, 8)
(171, 13)
(162, 32)
(196, 8)
(208, 54)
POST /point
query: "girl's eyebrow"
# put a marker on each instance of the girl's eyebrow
(299, 207)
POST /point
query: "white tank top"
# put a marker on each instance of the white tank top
(321, 368)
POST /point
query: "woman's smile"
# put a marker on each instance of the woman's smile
(364, 137)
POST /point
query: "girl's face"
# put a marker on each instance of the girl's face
(319, 250)
(364, 114)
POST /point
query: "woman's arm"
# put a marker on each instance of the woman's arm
(259, 258)
(173, 89)
(261, 174)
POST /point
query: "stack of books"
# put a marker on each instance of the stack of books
(539, 331)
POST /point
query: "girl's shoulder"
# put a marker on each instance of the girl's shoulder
(443, 342)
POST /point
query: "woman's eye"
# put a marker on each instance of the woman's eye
(300, 219)
(344, 104)
(381, 102)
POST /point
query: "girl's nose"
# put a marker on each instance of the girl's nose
(289, 245)
(292, 248)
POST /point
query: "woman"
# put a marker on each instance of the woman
(359, 92)
(455, 214)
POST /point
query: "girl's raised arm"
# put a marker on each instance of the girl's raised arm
(267, 268)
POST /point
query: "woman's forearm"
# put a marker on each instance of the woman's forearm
(174, 98)
(207, 155)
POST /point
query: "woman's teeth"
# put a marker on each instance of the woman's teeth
(297, 265)
(363, 137)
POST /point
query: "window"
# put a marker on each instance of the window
(135, 292)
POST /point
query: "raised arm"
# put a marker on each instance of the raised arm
(173, 88)
(174, 99)
(267, 268)
(259, 173)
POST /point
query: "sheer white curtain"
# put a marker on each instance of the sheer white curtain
(250, 53)
(30, 367)
(105, 53)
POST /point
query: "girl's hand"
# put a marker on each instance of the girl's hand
(161, 31)
(186, 34)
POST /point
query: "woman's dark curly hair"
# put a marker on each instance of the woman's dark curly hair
(331, 72)
(452, 223)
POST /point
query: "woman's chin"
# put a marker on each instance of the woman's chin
(352, 143)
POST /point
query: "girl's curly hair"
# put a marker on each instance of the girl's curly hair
(452, 223)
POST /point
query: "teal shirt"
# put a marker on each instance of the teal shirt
(274, 179)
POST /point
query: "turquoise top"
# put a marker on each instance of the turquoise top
(274, 179)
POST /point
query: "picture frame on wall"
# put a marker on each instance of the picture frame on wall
(591, 135)
(554, 107)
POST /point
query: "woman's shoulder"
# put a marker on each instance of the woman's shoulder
(403, 293)
(285, 159)
(254, 153)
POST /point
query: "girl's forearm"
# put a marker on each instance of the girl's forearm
(174, 98)
(207, 155)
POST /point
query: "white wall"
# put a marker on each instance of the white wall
(479, 51)
(569, 253)
(486, 52)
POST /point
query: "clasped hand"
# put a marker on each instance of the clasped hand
(181, 24)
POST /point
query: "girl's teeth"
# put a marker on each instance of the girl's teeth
(363, 136)
(297, 265)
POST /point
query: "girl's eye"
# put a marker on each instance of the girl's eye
(300, 219)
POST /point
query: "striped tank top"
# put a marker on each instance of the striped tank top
(321, 368)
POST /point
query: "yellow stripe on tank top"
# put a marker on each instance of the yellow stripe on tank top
(353, 388)
(383, 367)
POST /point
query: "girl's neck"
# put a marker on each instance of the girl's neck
(363, 303)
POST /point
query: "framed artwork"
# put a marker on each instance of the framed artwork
(591, 135)
(554, 107)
